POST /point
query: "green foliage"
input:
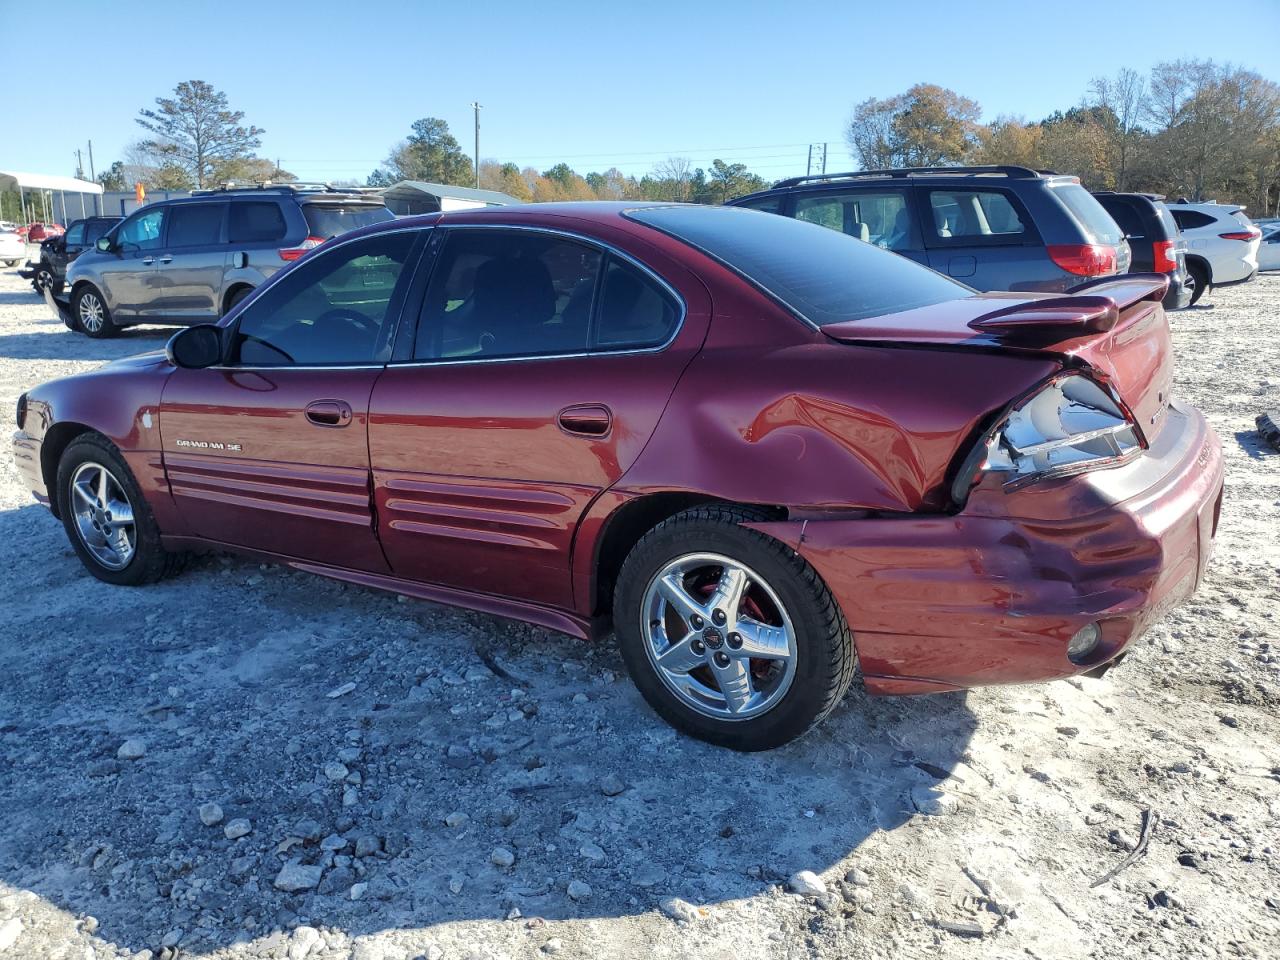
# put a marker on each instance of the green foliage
(429, 153)
(194, 130)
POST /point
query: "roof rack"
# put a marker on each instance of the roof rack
(1013, 172)
(292, 186)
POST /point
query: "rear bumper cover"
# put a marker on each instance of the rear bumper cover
(941, 603)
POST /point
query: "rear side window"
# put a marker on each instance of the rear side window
(634, 312)
(253, 221)
(507, 293)
(764, 204)
(76, 233)
(975, 213)
(325, 220)
(1191, 219)
(195, 224)
(880, 216)
(821, 275)
(1097, 223)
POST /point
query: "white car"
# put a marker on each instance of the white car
(12, 248)
(1269, 250)
(1222, 243)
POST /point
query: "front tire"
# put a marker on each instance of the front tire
(106, 517)
(1200, 277)
(91, 314)
(729, 634)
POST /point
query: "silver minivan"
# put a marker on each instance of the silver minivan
(191, 260)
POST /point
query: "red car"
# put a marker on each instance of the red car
(766, 452)
(38, 232)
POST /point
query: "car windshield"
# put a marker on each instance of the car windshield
(330, 219)
(1089, 212)
(823, 276)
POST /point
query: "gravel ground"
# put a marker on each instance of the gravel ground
(247, 761)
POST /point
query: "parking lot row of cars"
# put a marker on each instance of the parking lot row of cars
(1004, 227)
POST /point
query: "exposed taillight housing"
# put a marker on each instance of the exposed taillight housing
(1165, 255)
(1084, 259)
(294, 253)
(1252, 234)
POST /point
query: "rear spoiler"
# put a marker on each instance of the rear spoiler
(1077, 314)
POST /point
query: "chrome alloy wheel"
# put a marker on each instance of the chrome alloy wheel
(103, 516)
(719, 636)
(91, 311)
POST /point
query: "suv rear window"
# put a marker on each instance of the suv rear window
(327, 220)
(1088, 212)
(1192, 219)
(821, 275)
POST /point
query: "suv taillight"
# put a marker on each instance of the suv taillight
(1084, 259)
(1165, 255)
(293, 253)
(1251, 234)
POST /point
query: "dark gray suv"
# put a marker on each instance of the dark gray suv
(991, 227)
(191, 260)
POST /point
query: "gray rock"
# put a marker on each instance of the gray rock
(132, 749)
(592, 852)
(807, 884)
(210, 814)
(578, 890)
(295, 876)
(502, 857)
(933, 802)
(962, 928)
(337, 880)
(611, 785)
(336, 771)
(554, 945)
(333, 843)
(240, 827)
(678, 909)
(456, 819)
(341, 691)
(859, 878)
(648, 874)
(367, 845)
(308, 829)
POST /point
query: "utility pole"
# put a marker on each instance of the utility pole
(79, 166)
(824, 159)
(808, 167)
(475, 105)
(92, 173)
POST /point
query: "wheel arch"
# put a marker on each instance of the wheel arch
(55, 442)
(1201, 262)
(231, 292)
(630, 520)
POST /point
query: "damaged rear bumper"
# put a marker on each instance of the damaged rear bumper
(995, 593)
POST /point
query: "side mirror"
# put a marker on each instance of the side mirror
(195, 347)
(105, 245)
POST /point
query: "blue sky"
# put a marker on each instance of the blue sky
(594, 84)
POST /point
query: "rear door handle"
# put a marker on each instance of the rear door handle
(148, 261)
(166, 259)
(586, 419)
(329, 413)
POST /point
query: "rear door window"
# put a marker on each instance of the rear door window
(325, 220)
(97, 229)
(634, 312)
(195, 224)
(881, 217)
(76, 234)
(1088, 212)
(254, 221)
(1191, 219)
(976, 216)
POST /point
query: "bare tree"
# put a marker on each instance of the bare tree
(676, 173)
(194, 130)
(1124, 97)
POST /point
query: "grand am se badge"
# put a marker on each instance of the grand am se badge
(209, 445)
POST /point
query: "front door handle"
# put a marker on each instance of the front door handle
(166, 259)
(148, 261)
(329, 413)
(586, 420)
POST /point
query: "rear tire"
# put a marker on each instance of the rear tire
(115, 535)
(1200, 277)
(691, 656)
(91, 314)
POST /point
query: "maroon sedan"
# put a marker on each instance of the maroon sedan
(768, 453)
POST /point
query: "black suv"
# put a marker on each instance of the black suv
(1156, 243)
(190, 260)
(57, 252)
(991, 227)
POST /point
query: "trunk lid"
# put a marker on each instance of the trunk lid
(1115, 326)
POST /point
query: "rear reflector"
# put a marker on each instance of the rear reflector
(1084, 259)
(1165, 256)
(1241, 235)
(294, 253)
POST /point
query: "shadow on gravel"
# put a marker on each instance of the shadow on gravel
(231, 675)
(56, 342)
(1251, 442)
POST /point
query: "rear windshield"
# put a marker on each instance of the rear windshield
(330, 219)
(821, 275)
(1240, 218)
(1096, 221)
(1166, 220)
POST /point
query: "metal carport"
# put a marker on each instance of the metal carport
(43, 184)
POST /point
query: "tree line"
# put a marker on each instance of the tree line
(1189, 128)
